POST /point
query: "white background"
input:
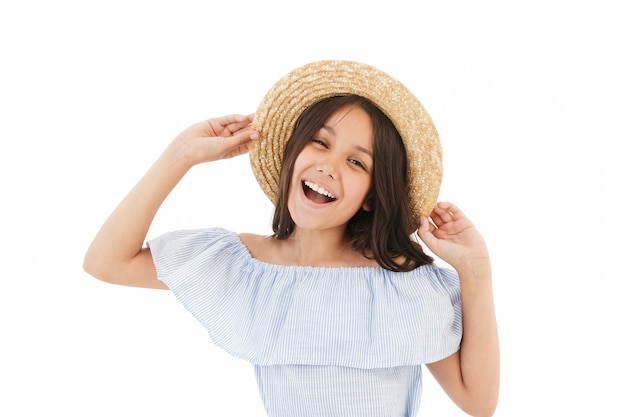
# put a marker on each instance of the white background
(528, 98)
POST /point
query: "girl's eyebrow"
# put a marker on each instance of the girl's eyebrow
(365, 150)
(329, 129)
(357, 147)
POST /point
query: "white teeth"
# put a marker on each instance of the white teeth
(318, 189)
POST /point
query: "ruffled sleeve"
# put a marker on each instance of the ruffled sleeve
(293, 315)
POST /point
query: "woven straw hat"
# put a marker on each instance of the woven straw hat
(277, 114)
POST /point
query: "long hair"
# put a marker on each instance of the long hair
(385, 230)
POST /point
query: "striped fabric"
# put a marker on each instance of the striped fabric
(341, 341)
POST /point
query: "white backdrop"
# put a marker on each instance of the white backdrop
(528, 98)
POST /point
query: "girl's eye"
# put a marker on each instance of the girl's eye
(357, 163)
(319, 142)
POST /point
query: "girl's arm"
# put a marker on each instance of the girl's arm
(116, 254)
(471, 376)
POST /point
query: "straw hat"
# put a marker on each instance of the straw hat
(277, 114)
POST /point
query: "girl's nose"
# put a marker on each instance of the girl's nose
(328, 166)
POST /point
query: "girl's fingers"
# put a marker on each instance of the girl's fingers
(452, 209)
(425, 224)
(227, 125)
(236, 127)
(436, 219)
(238, 144)
(447, 212)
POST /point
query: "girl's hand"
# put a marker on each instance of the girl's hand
(218, 138)
(470, 376)
(452, 237)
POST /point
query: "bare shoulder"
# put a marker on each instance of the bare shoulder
(259, 246)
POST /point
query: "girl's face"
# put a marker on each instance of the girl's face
(333, 173)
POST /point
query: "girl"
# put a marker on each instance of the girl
(338, 308)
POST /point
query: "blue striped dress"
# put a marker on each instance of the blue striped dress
(324, 341)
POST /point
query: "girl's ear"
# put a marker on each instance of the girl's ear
(368, 204)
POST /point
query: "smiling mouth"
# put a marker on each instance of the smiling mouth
(316, 193)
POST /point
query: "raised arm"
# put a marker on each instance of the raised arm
(116, 254)
(471, 377)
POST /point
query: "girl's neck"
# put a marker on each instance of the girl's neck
(320, 248)
(303, 248)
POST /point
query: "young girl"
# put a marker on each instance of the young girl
(338, 308)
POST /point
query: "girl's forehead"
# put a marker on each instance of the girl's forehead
(350, 123)
(346, 110)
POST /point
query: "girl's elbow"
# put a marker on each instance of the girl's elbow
(487, 412)
(99, 268)
(94, 268)
(139, 271)
(485, 408)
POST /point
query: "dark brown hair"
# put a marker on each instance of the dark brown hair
(384, 232)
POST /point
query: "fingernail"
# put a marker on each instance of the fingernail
(254, 136)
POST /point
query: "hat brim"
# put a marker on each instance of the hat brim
(277, 114)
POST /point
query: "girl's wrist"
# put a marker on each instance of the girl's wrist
(180, 155)
(476, 268)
